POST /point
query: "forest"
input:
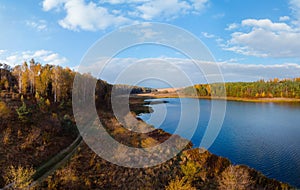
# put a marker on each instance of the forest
(53, 83)
(275, 88)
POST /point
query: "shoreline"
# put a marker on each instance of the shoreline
(199, 152)
(256, 100)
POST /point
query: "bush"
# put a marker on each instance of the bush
(23, 112)
(6, 136)
(48, 102)
(4, 110)
(19, 177)
(235, 178)
(180, 184)
(190, 169)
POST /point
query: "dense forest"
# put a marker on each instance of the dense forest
(275, 88)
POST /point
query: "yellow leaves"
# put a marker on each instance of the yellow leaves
(20, 177)
(6, 136)
(180, 184)
(235, 178)
(4, 110)
(189, 169)
(47, 102)
(148, 142)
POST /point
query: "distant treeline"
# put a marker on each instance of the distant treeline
(275, 88)
(125, 89)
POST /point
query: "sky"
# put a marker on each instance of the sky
(249, 39)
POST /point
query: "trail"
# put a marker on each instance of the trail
(53, 164)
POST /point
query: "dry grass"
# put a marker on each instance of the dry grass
(19, 177)
(31, 138)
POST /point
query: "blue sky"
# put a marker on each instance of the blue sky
(249, 35)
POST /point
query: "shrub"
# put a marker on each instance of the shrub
(48, 102)
(19, 177)
(193, 171)
(180, 184)
(41, 103)
(6, 136)
(189, 170)
(4, 110)
(235, 178)
(23, 112)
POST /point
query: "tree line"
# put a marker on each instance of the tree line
(56, 83)
(33, 78)
(274, 88)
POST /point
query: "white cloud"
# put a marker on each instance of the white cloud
(266, 24)
(122, 1)
(169, 9)
(207, 35)
(159, 8)
(265, 39)
(85, 16)
(284, 18)
(199, 5)
(42, 56)
(295, 7)
(91, 16)
(232, 26)
(40, 25)
(2, 51)
(51, 4)
(253, 72)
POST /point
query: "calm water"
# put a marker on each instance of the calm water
(264, 136)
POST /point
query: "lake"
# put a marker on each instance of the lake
(264, 136)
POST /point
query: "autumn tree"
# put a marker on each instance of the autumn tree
(24, 77)
(34, 72)
(43, 80)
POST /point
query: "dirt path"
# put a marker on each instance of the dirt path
(54, 163)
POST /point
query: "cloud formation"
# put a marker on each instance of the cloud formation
(266, 38)
(85, 16)
(91, 16)
(42, 56)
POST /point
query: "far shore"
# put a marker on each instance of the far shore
(261, 100)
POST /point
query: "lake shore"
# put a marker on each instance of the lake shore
(258, 100)
(198, 156)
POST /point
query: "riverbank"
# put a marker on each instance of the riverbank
(258, 100)
(192, 168)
